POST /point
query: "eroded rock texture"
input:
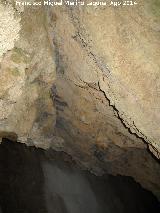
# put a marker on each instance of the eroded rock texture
(27, 74)
(50, 182)
(103, 105)
(106, 61)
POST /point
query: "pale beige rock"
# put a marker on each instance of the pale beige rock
(27, 71)
(107, 86)
(107, 63)
(9, 30)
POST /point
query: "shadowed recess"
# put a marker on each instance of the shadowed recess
(33, 180)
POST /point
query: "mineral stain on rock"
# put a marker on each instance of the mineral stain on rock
(84, 81)
(155, 6)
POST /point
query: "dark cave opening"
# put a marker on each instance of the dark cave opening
(33, 180)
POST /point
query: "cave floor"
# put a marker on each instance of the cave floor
(37, 181)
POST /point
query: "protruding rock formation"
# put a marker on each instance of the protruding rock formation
(85, 80)
(27, 74)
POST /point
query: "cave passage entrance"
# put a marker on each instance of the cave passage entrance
(37, 181)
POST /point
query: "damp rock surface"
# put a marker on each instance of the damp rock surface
(32, 180)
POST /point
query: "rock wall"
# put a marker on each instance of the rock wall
(46, 181)
(103, 87)
(115, 49)
(85, 80)
(27, 74)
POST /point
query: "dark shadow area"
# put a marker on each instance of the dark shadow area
(21, 179)
(37, 181)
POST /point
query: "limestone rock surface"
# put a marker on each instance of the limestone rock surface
(85, 80)
(106, 90)
(27, 73)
